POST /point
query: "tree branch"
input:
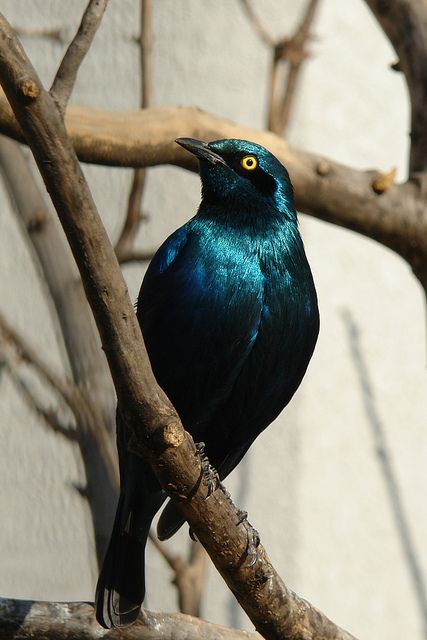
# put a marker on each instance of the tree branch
(295, 53)
(76, 621)
(65, 78)
(257, 24)
(291, 50)
(81, 352)
(157, 432)
(134, 216)
(190, 574)
(75, 398)
(27, 354)
(324, 189)
(126, 257)
(405, 24)
(55, 33)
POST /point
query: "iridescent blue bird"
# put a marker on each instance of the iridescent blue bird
(228, 310)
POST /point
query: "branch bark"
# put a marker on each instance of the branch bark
(157, 432)
(76, 621)
(405, 24)
(324, 189)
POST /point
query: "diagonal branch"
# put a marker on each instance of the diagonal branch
(49, 415)
(157, 432)
(65, 78)
(28, 355)
(257, 24)
(75, 398)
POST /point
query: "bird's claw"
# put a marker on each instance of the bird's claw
(253, 539)
(243, 515)
(253, 544)
(209, 474)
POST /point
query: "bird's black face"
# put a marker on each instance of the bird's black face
(238, 169)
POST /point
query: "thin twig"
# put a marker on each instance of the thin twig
(145, 53)
(27, 354)
(135, 256)
(134, 215)
(257, 24)
(189, 574)
(76, 399)
(65, 78)
(296, 54)
(50, 416)
(285, 50)
(55, 33)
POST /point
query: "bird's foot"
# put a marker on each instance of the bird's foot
(253, 539)
(210, 475)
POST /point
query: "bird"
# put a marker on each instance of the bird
(229, 315)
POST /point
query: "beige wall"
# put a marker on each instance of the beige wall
(314, 484)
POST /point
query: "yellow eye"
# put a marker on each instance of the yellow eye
(249, 163)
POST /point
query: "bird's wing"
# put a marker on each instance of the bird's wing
(199, 308)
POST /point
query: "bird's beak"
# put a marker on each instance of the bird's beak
(200, 150)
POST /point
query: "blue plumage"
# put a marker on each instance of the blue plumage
(229, 315)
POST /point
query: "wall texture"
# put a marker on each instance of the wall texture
(340, 531)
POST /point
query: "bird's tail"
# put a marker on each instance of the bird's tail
(121, 584)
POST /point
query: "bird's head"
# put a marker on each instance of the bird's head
(241, 172)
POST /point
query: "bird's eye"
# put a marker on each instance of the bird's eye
(249, 163)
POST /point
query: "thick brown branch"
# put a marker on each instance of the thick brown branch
(405, 24)
(76, 621)
(323, 188)
(157, 432)
(65, 78)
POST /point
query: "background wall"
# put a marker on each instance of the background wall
(338, 530)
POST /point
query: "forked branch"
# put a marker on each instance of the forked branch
(158, 434)
(65, 78)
